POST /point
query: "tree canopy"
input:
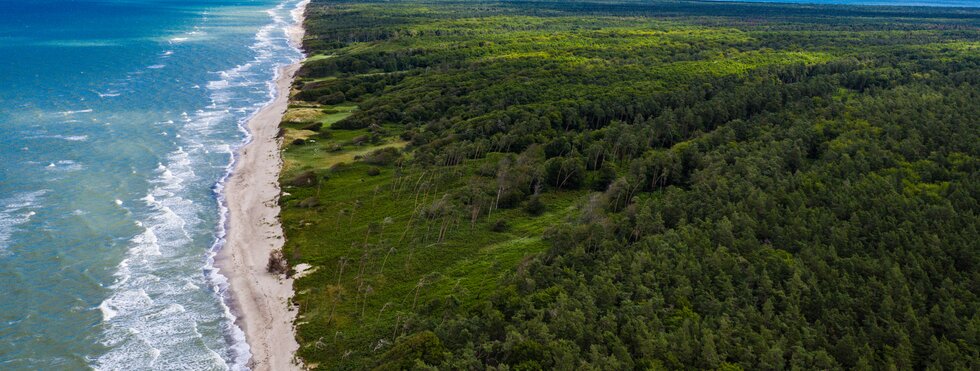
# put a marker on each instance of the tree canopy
(636, 185)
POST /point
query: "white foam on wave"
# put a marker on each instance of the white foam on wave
(156, 66)
(154, 355)
(143, 334)
(294, 33)
(107, 312)
(243, 76)
(148, 324)
(14, 212)
(66, 113)
(78, 43)
(64, 166)
(70, 138)
(146, 244)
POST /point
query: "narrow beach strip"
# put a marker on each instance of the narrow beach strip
(260, 299)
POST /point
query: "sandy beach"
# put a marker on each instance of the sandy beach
(259, 299)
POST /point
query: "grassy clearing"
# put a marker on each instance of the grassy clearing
(314, 58)
(378, 258)
(323, 114)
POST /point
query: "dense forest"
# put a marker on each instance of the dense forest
(526, 185)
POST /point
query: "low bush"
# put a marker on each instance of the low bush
(499, 226)
(304, 179)
(277, 263)
(314, 126)
(383, 157)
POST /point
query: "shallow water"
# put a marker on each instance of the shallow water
(118, 118)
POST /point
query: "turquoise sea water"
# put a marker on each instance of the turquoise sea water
(118, 120)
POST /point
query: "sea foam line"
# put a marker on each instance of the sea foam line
(15, 211)
(264, 42)
(131, 314)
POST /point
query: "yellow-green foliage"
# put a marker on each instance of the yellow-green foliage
(377, 257)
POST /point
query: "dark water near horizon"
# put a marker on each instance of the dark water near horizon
(117, 120)
(940, 3)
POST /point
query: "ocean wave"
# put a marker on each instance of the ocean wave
(157, 333)
(14, 212)
(243, 76)
(147, 318)
(66, 113)
(64, 166)
(78, 43)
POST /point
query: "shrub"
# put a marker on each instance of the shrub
(499, 226)
(310, 202)
(534, 206)
(510, 198)
(315, 126)
(349, 124)
(603, 177)
(487, 169)
(360, 140)
(374, 171)
(376, 129)
(382, 157)
(298, 142)
(564, 172)
(333, 98)
(423, 346)
(304, 179)
(277, 263)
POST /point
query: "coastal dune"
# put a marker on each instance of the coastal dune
(259, 299)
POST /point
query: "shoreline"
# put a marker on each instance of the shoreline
(260, 300)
